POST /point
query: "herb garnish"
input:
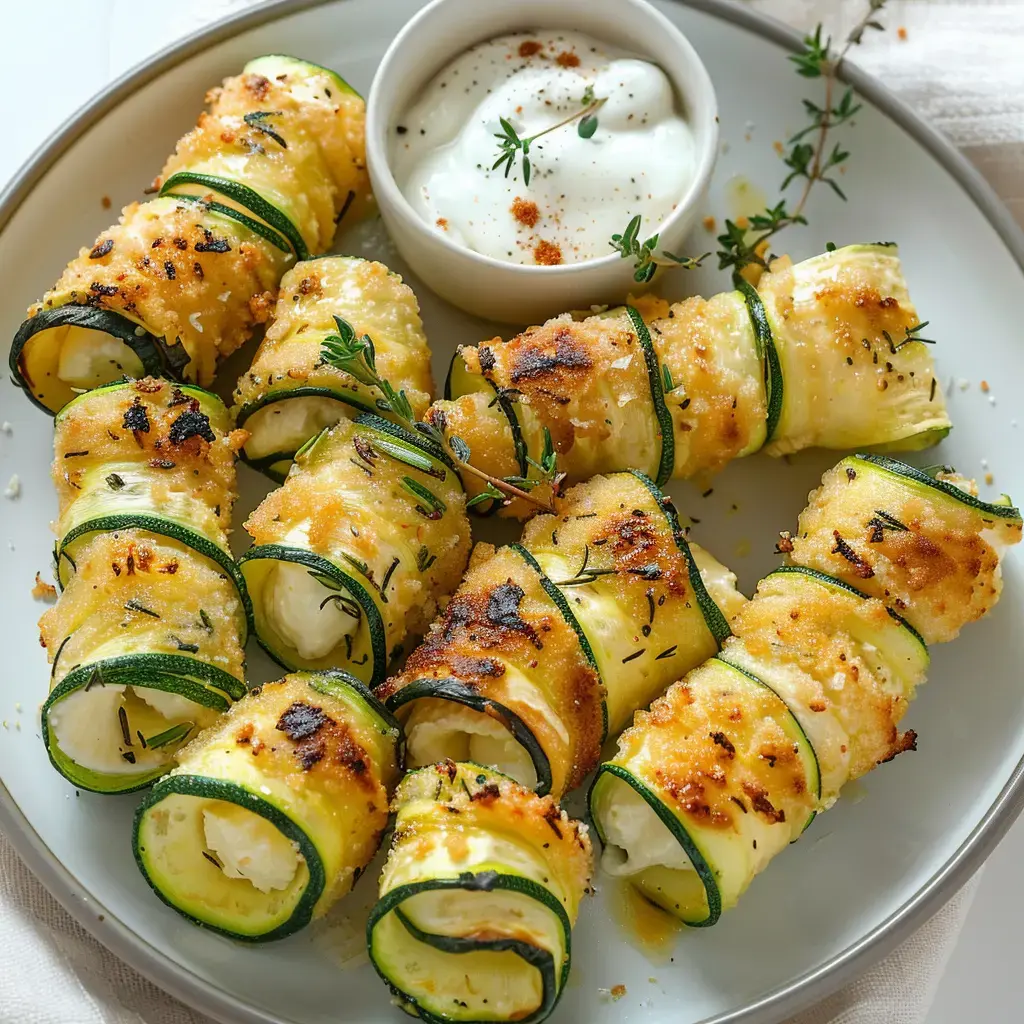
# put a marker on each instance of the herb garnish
(747, 244)
(646, 262)
(257, 119)
(172, 735)
(510, 145)
(357, 357)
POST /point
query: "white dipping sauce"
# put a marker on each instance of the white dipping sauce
(639, 161)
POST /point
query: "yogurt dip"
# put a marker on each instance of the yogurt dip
(450, 154)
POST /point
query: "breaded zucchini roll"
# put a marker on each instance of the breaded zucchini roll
(549, 645)
(478, 898)
(290, 393)
(181, 280)
(146, 640)
(273, 812)
(357, 549)
(827, 352)
(923, 544)
(730, 765)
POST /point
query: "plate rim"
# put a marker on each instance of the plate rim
(797, 993)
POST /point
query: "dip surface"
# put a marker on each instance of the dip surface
(640, 159)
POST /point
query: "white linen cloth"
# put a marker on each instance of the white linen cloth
(959, 66)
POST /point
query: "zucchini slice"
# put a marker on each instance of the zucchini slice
(925, 546)
(593, 385)
(273, 813)
(504, 679)
(692, 847)
(620, 560)
(150, 456)
(92, 344)
(146, 649)
(550, 645)
(356, 550)
(239, 201)
(774, 382)
(843, 327)
(290, 394)
(845, 665)
(478, 898)
(712, 358)
(329, 110)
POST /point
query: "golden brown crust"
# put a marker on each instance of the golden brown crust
(936, 566)
(350, 497)
(150, 423)
(503, 806)
(134, 592)
(336, 119)
(806, 627)
(375, 301)
(717, 401)
(181, 272)
(717, 752)
(501, 623)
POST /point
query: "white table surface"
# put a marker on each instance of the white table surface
(86, 45)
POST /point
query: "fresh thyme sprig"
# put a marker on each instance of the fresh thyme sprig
(357, 356)
(511, 146)
(811, 162)
(628, 245)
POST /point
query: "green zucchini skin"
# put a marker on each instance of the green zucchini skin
(724, 720)
(155, 354)
(666, 429)
(460, 693)
(610, 770)
(774, 383)
(345, 581)
(204, 685)
(310, 759)
(278, 224)
(541, 876)
(887, 528)
(65, 547)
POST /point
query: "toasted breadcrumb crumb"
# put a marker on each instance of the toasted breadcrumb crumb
(43, 591)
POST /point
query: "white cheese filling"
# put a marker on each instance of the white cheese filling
(466, 735)
(636, 838)
(87, 727)
(285, 426)
(249, 847)
(294, 604)
(90, 358)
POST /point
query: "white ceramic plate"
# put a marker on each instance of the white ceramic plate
(868, 871)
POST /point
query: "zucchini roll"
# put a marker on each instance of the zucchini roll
(730, 765)
(478, 897)
(290, 394)
(273, 813)
(357, 549)
(822, 353)
(551, 644)
(923, 544)
(146, 639)
(181, 280)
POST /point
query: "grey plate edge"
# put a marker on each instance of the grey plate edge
(774, 1006)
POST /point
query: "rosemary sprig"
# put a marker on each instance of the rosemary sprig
(910, 334)
(511, 146)
(357, 356)
(811, 162)
(646, 263)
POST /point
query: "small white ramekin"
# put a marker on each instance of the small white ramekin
(479, 284)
